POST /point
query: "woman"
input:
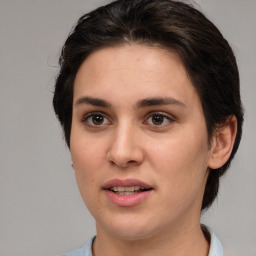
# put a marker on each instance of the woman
(148, 97)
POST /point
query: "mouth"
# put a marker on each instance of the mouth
(127, 186)
(128, 190)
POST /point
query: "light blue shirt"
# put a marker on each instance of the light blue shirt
(215, 247)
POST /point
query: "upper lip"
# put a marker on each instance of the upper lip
(126, 183)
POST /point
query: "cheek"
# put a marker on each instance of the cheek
(181, 164)
(86, 172)
(179, 152)
(87, 161)
(86, 151)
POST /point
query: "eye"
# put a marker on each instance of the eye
(159, 119)
(95, 119)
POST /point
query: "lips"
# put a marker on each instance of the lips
(126, 183)
(129, 192)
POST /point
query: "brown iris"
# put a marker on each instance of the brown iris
(157, 119)
(97, 119)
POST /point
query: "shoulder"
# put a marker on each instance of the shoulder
(86, 250)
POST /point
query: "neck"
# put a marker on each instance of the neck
(177, 242)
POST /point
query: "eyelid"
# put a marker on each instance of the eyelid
(86, 116)
(160, 113)
(168, 117)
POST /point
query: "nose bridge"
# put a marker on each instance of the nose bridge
(125, 148)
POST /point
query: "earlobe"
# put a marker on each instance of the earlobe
(222, 143)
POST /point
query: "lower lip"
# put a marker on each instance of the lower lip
(127, 200)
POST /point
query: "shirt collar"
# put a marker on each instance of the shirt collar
(215, 245)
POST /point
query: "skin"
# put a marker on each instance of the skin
(172, 156)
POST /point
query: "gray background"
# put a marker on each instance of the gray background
(41, 212)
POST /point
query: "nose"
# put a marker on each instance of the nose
(126, 148)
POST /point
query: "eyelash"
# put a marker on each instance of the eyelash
(166, 119)
(87, 119)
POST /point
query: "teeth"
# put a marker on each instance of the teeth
(126, 189)
(126, 193)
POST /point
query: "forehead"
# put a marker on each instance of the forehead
(132, 70)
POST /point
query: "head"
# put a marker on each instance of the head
(173, 26)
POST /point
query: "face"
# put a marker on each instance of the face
(138, 141)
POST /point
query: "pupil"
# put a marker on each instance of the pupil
(158, 120)
(97, 119)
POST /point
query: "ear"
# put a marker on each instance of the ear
(222, 143)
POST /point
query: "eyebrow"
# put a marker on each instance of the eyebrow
(148, 102)
(93, 101)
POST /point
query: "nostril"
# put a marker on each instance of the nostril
(112, 162)
(131, 162)
(125, 164)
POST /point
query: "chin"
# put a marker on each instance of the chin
(131, 229)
